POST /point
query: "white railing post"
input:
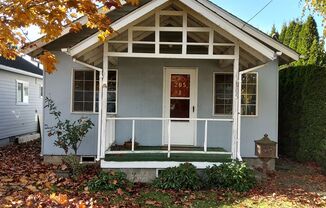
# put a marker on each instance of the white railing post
(133, 136)
(169, 138)
(205, 141)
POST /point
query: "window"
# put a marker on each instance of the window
(41, 91)
(223, 94)
(112, 91)
(86, 91)
(249, 94)
(22, 92)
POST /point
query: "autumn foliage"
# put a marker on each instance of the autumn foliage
(52, 17)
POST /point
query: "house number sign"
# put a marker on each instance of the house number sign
(180, 85)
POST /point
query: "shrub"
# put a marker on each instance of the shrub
(322, 156)
(302, 113)
(182, 177)
(234, 175)
(73, 164)
(108, 181)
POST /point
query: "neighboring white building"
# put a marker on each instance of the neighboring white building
(21, 98)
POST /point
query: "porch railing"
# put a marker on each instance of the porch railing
(168, 120)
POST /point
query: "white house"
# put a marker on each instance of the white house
(21, 96)
(169, 80)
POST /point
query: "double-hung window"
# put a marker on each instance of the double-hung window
(86, 91)
(22, 96)
(223, 94)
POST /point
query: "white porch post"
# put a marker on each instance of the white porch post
(104, 99)
(235, 108)
(99, 130)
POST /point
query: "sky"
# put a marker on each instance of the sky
(278, 12)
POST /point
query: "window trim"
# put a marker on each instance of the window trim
(230, 115)
(24, 83)
(94, 99)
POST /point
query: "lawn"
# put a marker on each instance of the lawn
(26, 182)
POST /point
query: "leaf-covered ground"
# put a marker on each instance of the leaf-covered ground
(26, 182)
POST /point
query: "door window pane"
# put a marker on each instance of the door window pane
(179, 108)
(180, 85)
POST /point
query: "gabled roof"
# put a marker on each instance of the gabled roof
(240, 29)
(68, 39)
(20, 65)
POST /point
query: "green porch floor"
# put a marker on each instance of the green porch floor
(177, 157)
(176, 148)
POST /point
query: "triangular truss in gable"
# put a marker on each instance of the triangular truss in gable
(171, 31)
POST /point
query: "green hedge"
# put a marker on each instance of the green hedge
(302, 119)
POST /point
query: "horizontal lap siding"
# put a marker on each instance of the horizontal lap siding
(18, 119)
(58, 87)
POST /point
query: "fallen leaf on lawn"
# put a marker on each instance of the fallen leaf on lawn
(9, 198)
(115, 182)
(7, 179)
(151, 202)
(23, 180)
(61, 199)
(32, 188)
(81, 205)
(119, 191)
(63, 167)
(48, 185)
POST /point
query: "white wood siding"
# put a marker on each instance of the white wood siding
(18, 119)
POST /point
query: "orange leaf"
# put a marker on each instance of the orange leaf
(81, 205)
(61, 199)
(49, 61)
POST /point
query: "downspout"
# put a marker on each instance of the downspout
(98, 156)
(240, 99)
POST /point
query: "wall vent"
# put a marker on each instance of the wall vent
(87, 159)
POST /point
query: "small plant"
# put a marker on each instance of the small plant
(182, 177)
(234, 175)
(108, 181)
(69, 135)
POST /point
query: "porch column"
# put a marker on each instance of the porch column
(235, 108)
(104, 98)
